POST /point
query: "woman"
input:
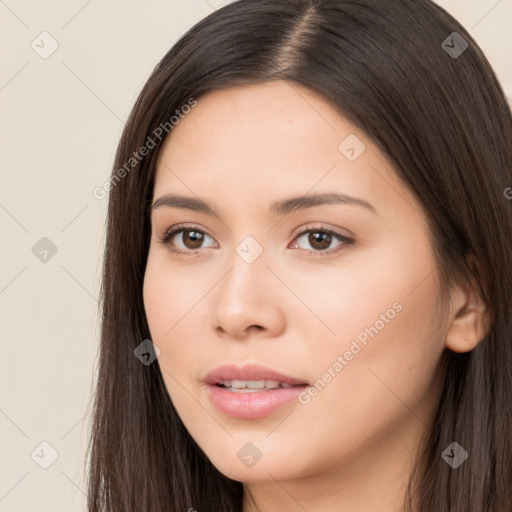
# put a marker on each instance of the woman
(307, 279)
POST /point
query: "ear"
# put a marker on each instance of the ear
(470, 316)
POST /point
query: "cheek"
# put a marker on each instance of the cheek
(176, 317)
(169, 295)
(384, 340)
(388, 361)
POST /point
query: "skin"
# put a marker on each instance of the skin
(295, 310)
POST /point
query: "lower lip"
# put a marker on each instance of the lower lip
(253, 404)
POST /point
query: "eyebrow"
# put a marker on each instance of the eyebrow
(277, 208)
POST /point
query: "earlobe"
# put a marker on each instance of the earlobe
(470, 321)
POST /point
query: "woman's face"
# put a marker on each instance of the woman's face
(353, 319)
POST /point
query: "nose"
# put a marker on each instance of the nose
(248, 301)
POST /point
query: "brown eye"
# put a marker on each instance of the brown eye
(184, 238)
(189, 239)
(192, 239)
(320, 240)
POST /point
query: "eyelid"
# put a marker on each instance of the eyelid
(320, 227)
(344, 239)
(169, 232)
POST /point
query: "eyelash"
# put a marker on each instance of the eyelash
(166, 238)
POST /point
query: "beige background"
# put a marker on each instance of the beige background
(61, 120)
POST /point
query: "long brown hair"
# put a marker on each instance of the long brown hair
(392, 68)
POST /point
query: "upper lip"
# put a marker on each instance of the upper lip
(248, 372)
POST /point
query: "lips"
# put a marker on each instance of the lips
(244, 386)
(251, 391)
(236, 375)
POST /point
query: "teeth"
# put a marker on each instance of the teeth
(252, 385)
(270, 384)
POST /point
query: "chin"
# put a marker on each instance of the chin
(268, 468)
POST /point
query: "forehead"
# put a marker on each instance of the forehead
(261, 121)
(253, 144)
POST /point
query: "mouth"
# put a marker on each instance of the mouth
(253, 386)
(251, 391)
(251, 377)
